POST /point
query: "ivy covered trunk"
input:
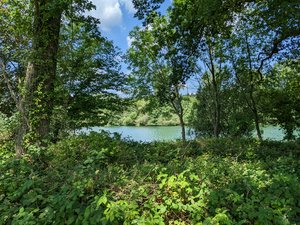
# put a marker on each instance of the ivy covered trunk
(47, 21)
(38, 87)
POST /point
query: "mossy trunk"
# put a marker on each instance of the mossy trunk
(46, 28)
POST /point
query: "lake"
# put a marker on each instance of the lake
(167, 133)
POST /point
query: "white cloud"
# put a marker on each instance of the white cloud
(128, 5)
(129, 41)
(110, 13)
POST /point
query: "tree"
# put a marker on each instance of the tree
(255, 41)
(245, 66)
(255, 36)
(160, 66)
(15, 44)
(280, 97)
(229, 116)
(88, 76)
(29, 64)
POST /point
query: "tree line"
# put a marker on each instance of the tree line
(59, 73)
(245, 55)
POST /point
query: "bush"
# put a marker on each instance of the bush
(101, 179)
(6, 127)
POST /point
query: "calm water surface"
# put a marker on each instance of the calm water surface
(166, 133)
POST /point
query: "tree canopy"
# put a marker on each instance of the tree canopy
(54, 58)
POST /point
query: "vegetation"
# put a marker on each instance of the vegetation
(160, 66)
(105, 180)
(58, 73)
(148, 113)
(71, 86)
(235, 43)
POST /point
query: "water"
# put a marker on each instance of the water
(272, 133)
(167, 133)
(146, 134)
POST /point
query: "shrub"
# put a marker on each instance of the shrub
(101, 179)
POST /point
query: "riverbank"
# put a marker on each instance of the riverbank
(99, 179)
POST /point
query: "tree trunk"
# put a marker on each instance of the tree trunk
(22, 129)
(256, 117)
(182, 125)
(47, 22)
(23, 105)
(177, 106)
(217, 106)
(36, 100)
(217, 109)
(257, 127)
(23, 125)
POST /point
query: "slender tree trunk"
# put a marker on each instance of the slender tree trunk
(217, 109)
(22, 129)
(256, 117)
(22, 105)
(23, 125)
(253, 102)
(217, 106)
(182, 125)
(250, 91)
(177, 106)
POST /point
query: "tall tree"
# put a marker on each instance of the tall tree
(37, 100)
(261, 38)
(30, 61)
(15, 41)
(160, 65)
(256, 43)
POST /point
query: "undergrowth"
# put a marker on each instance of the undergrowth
(100, 179)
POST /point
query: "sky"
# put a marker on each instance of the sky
(117, 20)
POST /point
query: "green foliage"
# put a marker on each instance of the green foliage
(7, 126)
(89, 76)
(6, 105)
(15, 27)
(280, 97)
(101, 179)
(57, 70)
(145, 8)
(235, 116)
(150, 113)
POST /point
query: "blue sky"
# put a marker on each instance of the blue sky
(117, 19)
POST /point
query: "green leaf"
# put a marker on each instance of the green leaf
(102, 200)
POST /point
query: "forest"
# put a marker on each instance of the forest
(60, 74)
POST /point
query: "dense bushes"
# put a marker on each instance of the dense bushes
(99, 179)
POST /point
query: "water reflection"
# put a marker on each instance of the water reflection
(167, 133)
